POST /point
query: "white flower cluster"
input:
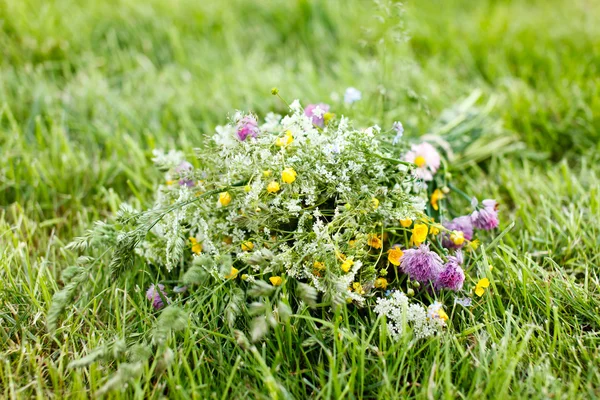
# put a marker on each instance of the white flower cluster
(400, 314)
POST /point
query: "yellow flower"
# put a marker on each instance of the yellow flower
(273, 187)
(474, 244)
(318, 265)
(347, 264)
(267, 173)
(233, 274)
(375, 202)
(435, 197)
(328, 117)
(481, 286)
(247, 246)
(419, 234)
(288, 175)
(457, 237)
(374, 241)
(170, 182)
(224, 198)
(286, 140)
(276, 280)
(352, 243)
(358, 288)
(435, 229)
(247, 188)
(442, 315)
(406, 222)
(394, 255)
(289, 138)
(420, 161)
(381, 283)
(196, 247)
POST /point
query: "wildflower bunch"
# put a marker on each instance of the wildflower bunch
(346, 213)
(308, 192)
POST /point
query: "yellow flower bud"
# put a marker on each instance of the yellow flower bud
(381, 283)
(276, 280)
(474, 244)
(285, 140)
(273, 187)
(419, 234)
(224, 198)
(288, 175)
(435, 229)
(347, 264)
(233, 274)
(394, 255)
(319, 265)
(436, 196)
(196, 247)
(481, 286)
(406, 222)
(442, 315)
(457, 237)
(358, 288)
(374, 241)
(247, 246)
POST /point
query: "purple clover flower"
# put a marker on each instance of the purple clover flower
(463, 224)
(486, 217)
(154, 296)
(421, 264)
(247, 126)
(184, 169)
(452, 276)
(316, 112)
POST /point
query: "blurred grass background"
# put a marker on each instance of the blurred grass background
(88, 89)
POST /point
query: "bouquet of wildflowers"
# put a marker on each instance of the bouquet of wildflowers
(309, 204)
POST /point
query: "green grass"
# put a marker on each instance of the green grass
(88, 89)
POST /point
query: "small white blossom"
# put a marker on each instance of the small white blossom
(401, 314)
(352, 95)
(295, 106)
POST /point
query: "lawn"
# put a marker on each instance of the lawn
(88, 89)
